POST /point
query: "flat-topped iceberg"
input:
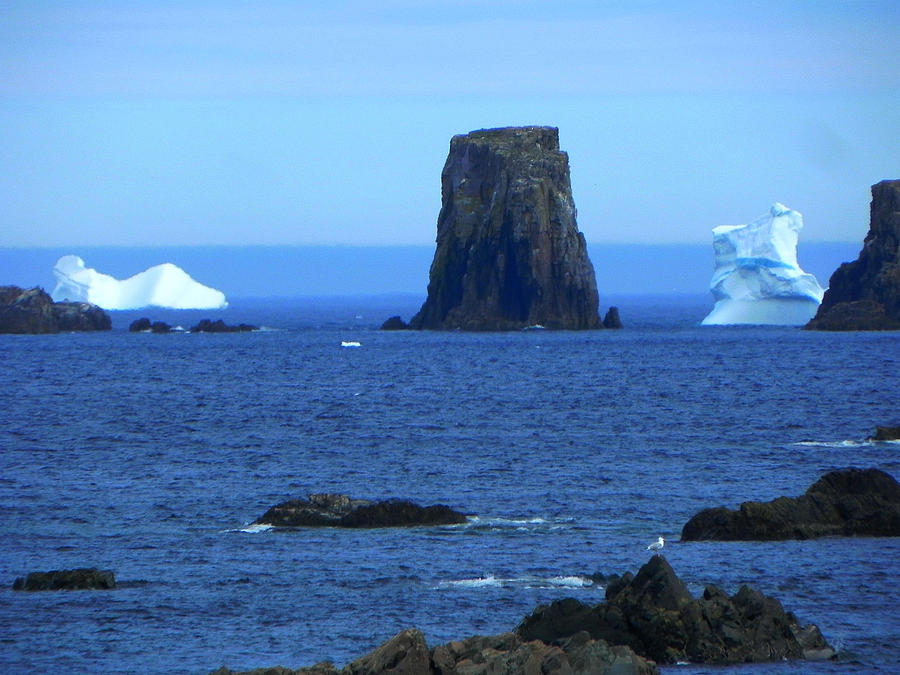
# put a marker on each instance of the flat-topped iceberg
(165, 285)
(757, 279)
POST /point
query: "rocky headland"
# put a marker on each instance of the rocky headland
(646, 619)
(509, 254)
(337, 510)
(85, 578)
(848, 502)
(33, 311)
(865, 294)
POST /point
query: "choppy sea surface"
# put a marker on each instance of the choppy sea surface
(150, 455)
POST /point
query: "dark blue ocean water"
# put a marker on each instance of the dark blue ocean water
(150, 454)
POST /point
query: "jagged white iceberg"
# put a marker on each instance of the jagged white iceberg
(165, 285)
(757, 279)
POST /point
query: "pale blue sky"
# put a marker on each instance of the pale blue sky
(236, 122)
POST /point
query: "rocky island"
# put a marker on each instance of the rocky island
(33, 311)
(337, 510)
(848, 502)
(83, 578)
(509, 254)
(865, 294)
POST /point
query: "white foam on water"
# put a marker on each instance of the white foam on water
(572, 581)
(253, 528)
(350, 343)
(492, 581)
(838, 444)
(477, 582)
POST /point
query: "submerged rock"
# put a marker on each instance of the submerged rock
(33, 311)
(865, 294)
(654, 614)
(863, 502)
(509, 253)
(336, 510)
(86, 578)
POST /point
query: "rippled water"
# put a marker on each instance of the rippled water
(150, 454)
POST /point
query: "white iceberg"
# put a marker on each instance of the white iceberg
(757, 279)
(165, 285)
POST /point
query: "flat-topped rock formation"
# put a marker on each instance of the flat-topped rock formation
(33, 311)
(336, 510)
(219, 326)
(509, 254)
(865, 294)
(862, 502)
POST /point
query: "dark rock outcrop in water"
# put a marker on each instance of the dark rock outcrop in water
(612, 320)
(863, 502)
(886, 434)
(648, 617)
(865, 294)
(507, 654)
(144, 325)
(394, 323)
(219, 326)
(61, 580)
(33, 311)
(654, 614)
(509, 254)
(335, 510)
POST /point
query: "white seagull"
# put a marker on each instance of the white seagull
(657, 545)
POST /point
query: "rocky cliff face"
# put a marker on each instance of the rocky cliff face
(509, 253)
(865, 294)
(33, 311)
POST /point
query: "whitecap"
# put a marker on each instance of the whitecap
(477, 582)
(253, 528)
(350, 343)
(572, 581)
(833, 444)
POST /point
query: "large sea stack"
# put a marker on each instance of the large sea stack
(509, 254)
(865, 294)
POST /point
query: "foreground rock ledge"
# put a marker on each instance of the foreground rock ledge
(848, 502)
(646, 618)
(509, 254)
(336, 510)
(85, 578)
(33, 311)
(506, 654)
(654, 614)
